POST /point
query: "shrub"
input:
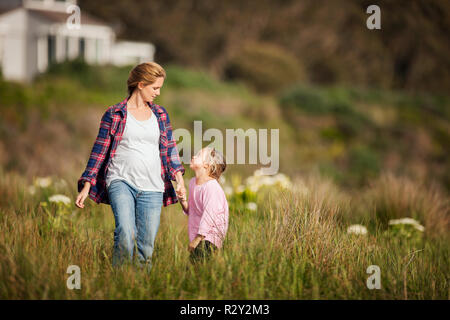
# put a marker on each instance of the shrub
(363, 164)
(109, 78)
(333, 101)
(180, 77)
(395, 197)
(309, 100)
(265, 67)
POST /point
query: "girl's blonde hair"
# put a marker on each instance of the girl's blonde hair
(217, 163)
(146, 72)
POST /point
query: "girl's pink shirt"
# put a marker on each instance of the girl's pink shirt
(208, 211)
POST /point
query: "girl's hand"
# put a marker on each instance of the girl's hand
(181, 191)
(181, 197)
(192, 246)
(79, 202)
(194, 243)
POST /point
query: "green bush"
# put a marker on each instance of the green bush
(180, 77)
(350, 122)
(109, 78)
(363, 164)
(264, 67)
(333, 101)
(308, 100)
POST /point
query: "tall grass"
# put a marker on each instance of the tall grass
(295, 246)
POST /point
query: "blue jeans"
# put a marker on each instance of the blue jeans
(137, 215)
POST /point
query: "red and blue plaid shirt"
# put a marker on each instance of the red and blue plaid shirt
(110, 133)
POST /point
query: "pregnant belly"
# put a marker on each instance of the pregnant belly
(135, 164)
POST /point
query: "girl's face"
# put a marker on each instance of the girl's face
(151, 91)
(199, 160)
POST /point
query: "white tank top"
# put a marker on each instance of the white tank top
(137, 158)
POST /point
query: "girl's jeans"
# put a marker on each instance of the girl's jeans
(137, 215)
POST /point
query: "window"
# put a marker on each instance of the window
(51, 49)
(82, 48)
(67, 48)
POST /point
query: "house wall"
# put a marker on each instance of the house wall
(51, 5)
(130, 53)
(36, 46)
(24, 45)
(13, 30)
(98, 42)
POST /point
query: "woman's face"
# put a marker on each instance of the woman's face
(151, 91)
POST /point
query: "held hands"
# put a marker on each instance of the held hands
(181, 195)
(181, 192)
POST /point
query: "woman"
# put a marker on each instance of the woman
(132, 164)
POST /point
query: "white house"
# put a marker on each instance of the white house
(39, 32)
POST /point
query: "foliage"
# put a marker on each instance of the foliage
(265, 67)
(331, 41)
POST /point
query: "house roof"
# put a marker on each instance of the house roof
(7, 9)
(58, 17)
(61, 17)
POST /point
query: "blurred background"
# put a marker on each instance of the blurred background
(351, 103)
(363, 118)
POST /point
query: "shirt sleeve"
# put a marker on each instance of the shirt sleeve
(173, 158)
(213, 217)
(98, 153)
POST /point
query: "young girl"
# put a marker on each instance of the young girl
(207, 207)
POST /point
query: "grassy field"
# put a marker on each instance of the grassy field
(293, 246)
(351, 157)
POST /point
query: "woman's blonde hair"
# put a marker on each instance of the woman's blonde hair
(146, 72)
(217, 163)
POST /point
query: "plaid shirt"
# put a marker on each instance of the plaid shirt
(110, 133)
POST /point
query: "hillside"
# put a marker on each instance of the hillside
(366, 184)
(326, 41)
(349, 134)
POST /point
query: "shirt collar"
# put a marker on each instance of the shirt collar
(121, 106)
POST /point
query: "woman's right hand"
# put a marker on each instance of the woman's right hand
(83, 195)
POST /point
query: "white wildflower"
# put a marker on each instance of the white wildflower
(268, 180)
(32, 190)
(357, 229)
(409, 221)
(61, 184)
(43, 182)
(60, 198)
(259, 180)
(252, 183)
(283, 181)
(251, 206)
(258, 173)
(240, 189)
(251, 180)
(254, 188)
(228, 190)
